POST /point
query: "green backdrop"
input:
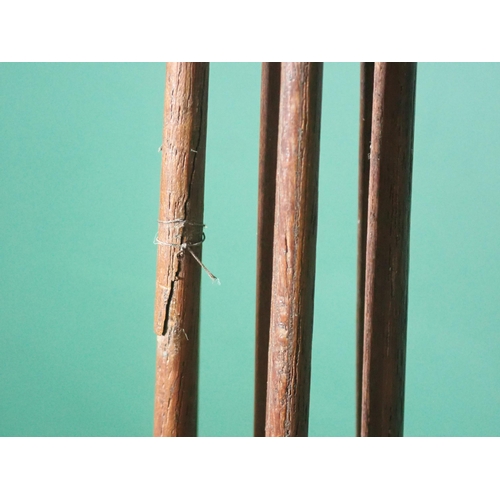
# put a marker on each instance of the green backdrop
(79, 179)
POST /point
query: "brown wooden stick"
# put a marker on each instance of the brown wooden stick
(387, 255)
(365, 131)
(294, 254)
(178, 273)
(269, 114)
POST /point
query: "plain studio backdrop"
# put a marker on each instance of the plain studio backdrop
(79, 192)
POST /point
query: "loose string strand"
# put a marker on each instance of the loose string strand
(210, 274)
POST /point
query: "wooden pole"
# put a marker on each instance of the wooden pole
(365, 131)
(178, 273)
(387, 253)
(294, 254)
(269, 113)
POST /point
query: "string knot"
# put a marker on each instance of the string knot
(186, 245)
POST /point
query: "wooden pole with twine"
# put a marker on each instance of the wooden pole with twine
(179, 238)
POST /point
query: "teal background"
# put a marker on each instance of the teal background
(79, 179)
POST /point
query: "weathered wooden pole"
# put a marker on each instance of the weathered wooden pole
(294, 253)
(180, 233)
(365, 131)
(269, 113)
(387, 249)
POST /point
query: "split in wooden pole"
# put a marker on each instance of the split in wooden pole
(294, 253)
(180, 234)
(387, 249)
(269, 113)
(365, 131)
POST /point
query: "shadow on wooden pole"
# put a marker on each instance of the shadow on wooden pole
(294, 254)
(178, 275)
(269, 113)
(365, 132)
(387, 249)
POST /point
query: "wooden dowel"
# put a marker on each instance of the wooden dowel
(269, 113)
(387, 255)
(365, 131)
(294, 253)
(178, 273)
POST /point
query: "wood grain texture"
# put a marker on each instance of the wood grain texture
(387, 254)
(178, 276)
(294, 254)
(365, 131)
(269, 114)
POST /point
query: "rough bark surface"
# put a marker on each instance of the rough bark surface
(178, 274)
(269, 114)
(294, 255)
(387, 254)
(365, 131)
